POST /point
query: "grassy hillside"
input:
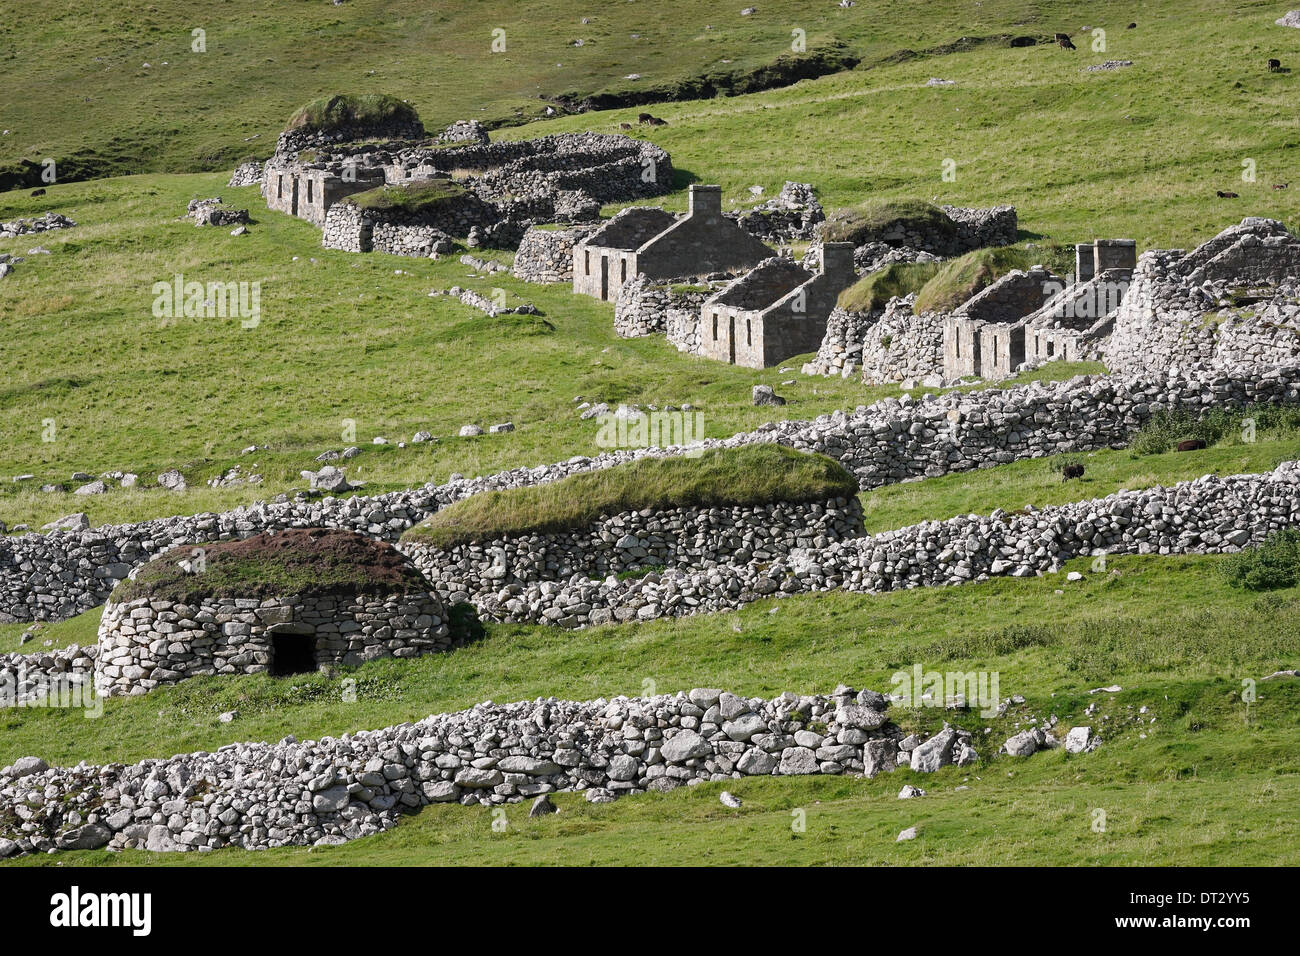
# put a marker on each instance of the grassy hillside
(341, 337)
(106, 91)
(1200, 778)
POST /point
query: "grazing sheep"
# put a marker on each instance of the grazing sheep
(39, 192)
(1191, 444)
(1071, 471)
(1223, 194)
(1275, 66)
(1063, 41)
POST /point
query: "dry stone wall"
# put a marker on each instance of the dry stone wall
(546, 255)
(329, 791)
(146, 642)
(645, 307)
(632, 541)
(58, 575)
(1210, 515)
(891, 345)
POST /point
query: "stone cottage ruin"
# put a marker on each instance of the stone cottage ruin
(776, 310)
(327, 177)
(653, 243)
(1028, 318)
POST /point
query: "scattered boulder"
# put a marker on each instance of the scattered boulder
(79, 521)
(172, 480)
(764, 395)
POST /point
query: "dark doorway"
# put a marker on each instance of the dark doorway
(604, 278)
(293, 654)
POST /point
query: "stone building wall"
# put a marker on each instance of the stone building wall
(643, 306)
(1234, 299)
(146, 642)
(632, 541)
(546, 255)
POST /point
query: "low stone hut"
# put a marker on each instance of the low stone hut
(280, 603)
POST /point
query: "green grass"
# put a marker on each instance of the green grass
(342, 339)
(344, 110)
(408, 197)
(958, 279)
(719, 477)
(866, 221)
(1170, 631)
(874, 291)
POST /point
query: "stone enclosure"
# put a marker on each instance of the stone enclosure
(146, 642)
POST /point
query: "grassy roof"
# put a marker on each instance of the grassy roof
(959, 279)
(873, 291)
(344, 110)
(306, 561)
(410, 197)
(863, 222)
(748, 475)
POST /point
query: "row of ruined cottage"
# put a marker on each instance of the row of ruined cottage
(710, 281)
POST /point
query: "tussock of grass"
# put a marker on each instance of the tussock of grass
(1165, 429)
(295, 562)
(874, 291)
(750, 475)
(958, 279)
(342, 110)
(1273, 565)
(866, 220)
(408, 197)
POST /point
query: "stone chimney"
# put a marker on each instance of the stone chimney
(706, 201)
(837, 263)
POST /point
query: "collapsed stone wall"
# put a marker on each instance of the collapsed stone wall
(60, 574)
(404, 233)
(890, 345)
(632, 541)
(246, 174)
(792, 214)
(546, 255)
(1210, 515)
(1234, 299)
(27, 677)
(146, 642)
(643, 305)
(302, 793)
(24, 227)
